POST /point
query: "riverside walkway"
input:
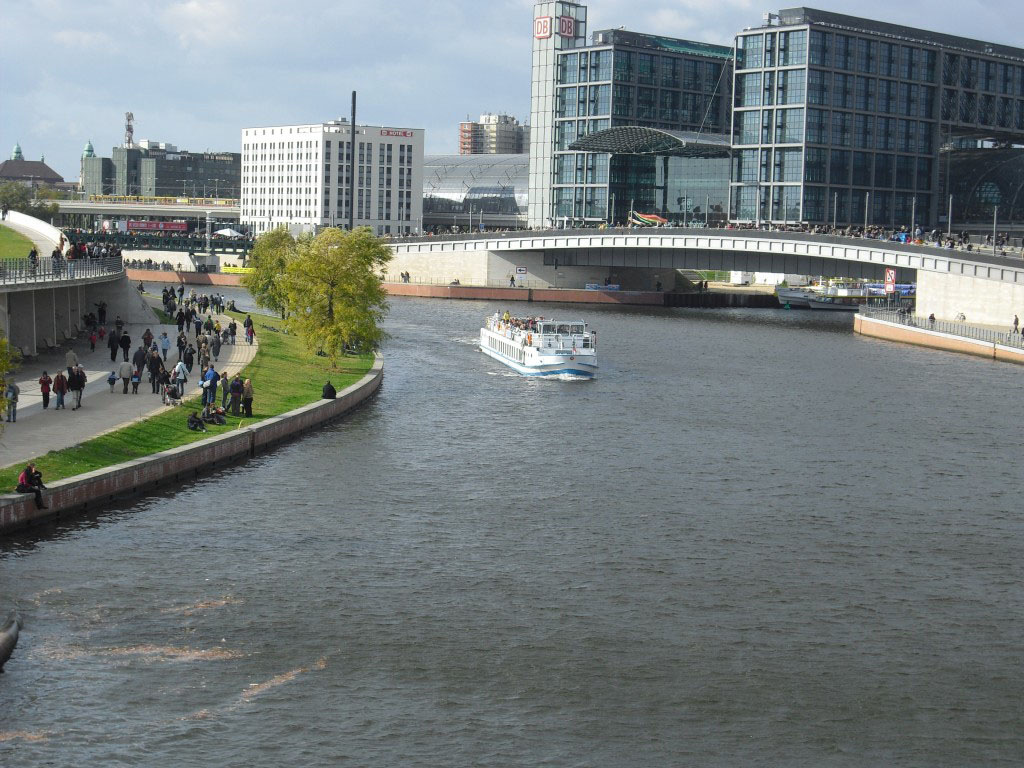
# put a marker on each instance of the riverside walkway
(39, 431)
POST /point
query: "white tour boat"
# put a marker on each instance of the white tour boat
(539, 347)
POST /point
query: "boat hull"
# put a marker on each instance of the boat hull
(567, 367)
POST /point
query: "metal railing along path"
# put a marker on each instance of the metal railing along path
(46, 270)
(951, 327)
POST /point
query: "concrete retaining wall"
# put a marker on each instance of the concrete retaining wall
(923, 337)
(94, 489)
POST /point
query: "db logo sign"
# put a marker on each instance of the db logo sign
(545, 26)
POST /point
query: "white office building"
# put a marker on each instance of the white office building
(299, 176)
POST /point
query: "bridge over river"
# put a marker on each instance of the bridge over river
(986, 287)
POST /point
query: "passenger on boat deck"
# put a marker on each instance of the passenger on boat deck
(506, 316)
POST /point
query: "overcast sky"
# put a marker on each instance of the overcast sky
(195, 72)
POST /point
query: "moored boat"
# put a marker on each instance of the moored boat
(538, 347)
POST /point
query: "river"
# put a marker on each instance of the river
(755, 539)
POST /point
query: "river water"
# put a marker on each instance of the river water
(756, 539)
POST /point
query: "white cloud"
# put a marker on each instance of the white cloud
(205, 22)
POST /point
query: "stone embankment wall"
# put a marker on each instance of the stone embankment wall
(923, 337)
(171, 277)
(94, 489)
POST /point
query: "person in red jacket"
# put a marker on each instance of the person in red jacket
(44, 386)
(60, 388)
(31, 481)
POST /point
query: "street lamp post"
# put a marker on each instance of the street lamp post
(949, 219)
(995, 217)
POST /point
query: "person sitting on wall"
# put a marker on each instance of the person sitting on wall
(329, 393)
(31, 481)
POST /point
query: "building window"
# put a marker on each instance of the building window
(792, 48)
(623, 66)
(748, 125)
(791, 87)
(750, 52)
(789, 127)
(645, 68)
(748, 90)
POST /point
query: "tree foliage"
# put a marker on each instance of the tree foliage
(335, 293)
(9, 359)
(19, 197)
(269, 259)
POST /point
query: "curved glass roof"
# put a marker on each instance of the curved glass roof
(491, 183)
(981, 179)
(637, 140)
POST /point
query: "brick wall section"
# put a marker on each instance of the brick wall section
(94, 489)
(566, 295)
(186, 278)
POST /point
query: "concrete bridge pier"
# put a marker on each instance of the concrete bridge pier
(62, 314)
(46, 317)
(5, 320)
(22, 313)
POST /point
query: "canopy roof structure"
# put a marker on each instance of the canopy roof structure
(636, 140)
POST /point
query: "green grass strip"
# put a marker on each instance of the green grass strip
(14, 245)
(284, 377)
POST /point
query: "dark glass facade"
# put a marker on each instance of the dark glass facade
(838, 119)
(626, 78)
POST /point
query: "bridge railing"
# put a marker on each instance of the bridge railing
(952, 327)
(1007, 256)
(46, 270)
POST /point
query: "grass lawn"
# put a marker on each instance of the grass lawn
(13, 245)
(284, 376)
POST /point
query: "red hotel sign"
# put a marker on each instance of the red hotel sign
(544, 26)
(163, 226)
(404, 134)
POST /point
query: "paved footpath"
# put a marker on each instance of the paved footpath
(44, 247)
(37, 431)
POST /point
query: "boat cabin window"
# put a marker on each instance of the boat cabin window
(547, 327)
(563, 328)
(577, 327)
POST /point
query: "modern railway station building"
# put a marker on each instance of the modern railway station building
(812, 117)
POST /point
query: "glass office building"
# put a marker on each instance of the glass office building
(621, 79)
(847, 120)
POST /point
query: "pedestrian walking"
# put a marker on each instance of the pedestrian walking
(1016, 324)
(232, 331)
(215, 346)
(147, 338)
(113, 341)
(125, 373)
(165, 344)
(189, 357)
(250, 334)
(125, 343)
(70, 360)
(119, 325)
(45, 382)
(92, 341)
(179, 376)
(76, 383)
(112, 380)
(182, 343)
(155, 366)
(60, 389)
(210, 380)
(136, 379)
(12, 393)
